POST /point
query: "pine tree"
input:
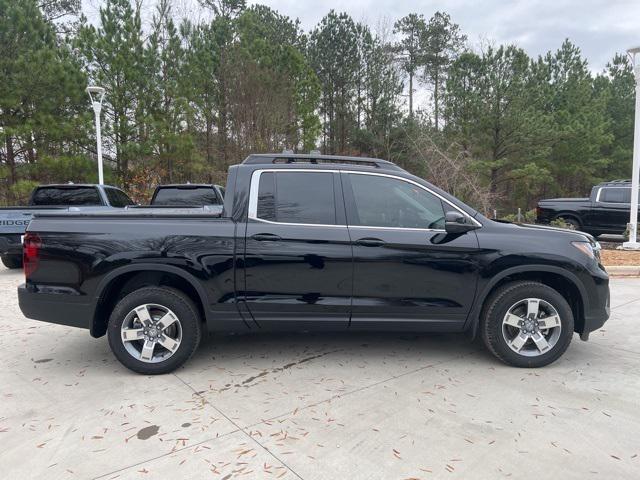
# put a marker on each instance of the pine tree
(441, 42)
(410, 48)
(114, 56)
(333, 54)
(42, 95)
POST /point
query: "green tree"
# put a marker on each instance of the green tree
(200, 82)
(441, 43)
(617, 85)
(579, 122)
(276, 93)
(167, 105)
(42, 104)
(223, 30)
(333, 54)
(115, 59)
(489, 111)
(379, 89)
(410, 49)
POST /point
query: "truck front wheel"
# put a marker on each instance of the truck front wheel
(527, 324)
(154, 330)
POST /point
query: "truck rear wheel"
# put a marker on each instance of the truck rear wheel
(12, 261)
(574, 222)
(527, 324)
(154, 330)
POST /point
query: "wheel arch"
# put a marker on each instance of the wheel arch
(565, 282)
(131, 277)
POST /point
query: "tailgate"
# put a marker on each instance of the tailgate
(14, 221)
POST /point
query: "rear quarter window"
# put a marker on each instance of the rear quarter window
(615, 195)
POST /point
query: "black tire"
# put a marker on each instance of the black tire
(183, 308)
(574, 222)
(12, 261)
(499, 304)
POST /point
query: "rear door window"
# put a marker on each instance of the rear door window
(186, 196)
(297, 197)
(63, 196)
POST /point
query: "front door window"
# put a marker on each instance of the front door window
(393, 203)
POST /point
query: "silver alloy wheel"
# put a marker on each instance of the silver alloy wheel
(151, 333)
(531, 327)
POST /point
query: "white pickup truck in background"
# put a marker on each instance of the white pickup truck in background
(14, 220)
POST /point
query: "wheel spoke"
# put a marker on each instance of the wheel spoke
(518, 342)
(540, 342)
(166, 321)
(533, 306)
(512, 320)
(549, 322)
(147, 350)
(143, 315)
(169, 343)
(141, 341)
(131, 334)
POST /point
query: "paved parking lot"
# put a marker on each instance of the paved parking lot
(319, 406)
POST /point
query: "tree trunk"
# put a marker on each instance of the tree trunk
(411, 94)
(222, 111)
(11, 160)
(493, 183)
(208, 147)
(435, 99)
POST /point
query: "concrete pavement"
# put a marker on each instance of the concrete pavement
(347, 406)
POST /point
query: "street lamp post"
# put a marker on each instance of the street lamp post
(96, 94)
(633, 244)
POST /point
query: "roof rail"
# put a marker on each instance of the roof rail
(317, 159)
(623, 180)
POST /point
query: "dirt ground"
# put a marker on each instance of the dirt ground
(612, 258)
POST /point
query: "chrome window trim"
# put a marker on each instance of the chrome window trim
(255, 185)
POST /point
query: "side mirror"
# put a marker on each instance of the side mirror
(455, 222)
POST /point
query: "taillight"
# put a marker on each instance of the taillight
(30, 253)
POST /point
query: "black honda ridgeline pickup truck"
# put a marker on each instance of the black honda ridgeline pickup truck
(309, 242)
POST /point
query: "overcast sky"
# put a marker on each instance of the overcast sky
(599, 27)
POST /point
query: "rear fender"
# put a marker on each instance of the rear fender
(112, 276)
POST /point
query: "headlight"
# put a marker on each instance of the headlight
(591, 251)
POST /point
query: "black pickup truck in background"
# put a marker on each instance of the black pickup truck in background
(14, 220)
(187, 195)
(605, 211)
(312, 242)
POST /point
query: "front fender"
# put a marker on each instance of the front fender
(473, 319)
